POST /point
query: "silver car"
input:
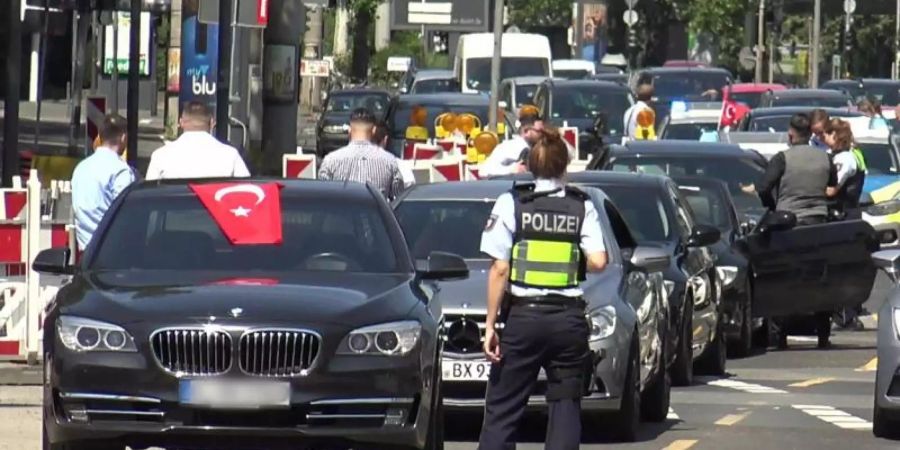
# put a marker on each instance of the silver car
(627, 307)
(886, 421)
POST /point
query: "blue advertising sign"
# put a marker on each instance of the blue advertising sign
(199, 57)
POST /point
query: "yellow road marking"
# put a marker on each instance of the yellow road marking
(812, 382)
(681, 444)
(870, 366)
(732, 419)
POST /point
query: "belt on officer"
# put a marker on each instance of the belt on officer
(548, 301)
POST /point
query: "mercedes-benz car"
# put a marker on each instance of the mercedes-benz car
(181, 329)
(886, 414)
(626, 307)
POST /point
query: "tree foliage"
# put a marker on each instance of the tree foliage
(540, 13)
(723, 19)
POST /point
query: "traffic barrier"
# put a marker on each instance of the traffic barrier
(427, 151)
(447, 169)
(23, 292)
(299, 166)
(473, 172)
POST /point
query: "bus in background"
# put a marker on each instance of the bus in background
(522, 55)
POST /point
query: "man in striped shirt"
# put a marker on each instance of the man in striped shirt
(362, 161)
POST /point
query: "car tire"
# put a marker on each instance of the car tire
(656, 398)
(682, 370)
(628, 420)
(714, 358)
(743, 346)
(884, 426)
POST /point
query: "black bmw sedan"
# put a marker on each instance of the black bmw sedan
(174, 333)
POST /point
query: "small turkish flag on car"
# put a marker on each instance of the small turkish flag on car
(247, 213)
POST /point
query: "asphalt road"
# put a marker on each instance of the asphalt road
(802, 398)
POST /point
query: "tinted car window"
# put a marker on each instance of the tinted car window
(750, 99)
(643, 210)
(177, 233)
(886, 94)
(689, 85)
(400, 117)
(525, 94)
(812, 102)
(478, 70)
(444, 226)
(345, 103)
(708, 207)
(778, 124)
(688, 131)
(735, 172)
(435, 86)
(581, 102)
(880, 158)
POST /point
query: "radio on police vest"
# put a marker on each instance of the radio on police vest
(546, 249)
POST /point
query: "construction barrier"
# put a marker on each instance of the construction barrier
(29, 224)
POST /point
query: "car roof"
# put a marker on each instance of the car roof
(586, 83)
(739, 88)
(480, 190)
(701, 182)
(433, 74)
(292, 187)
(444, 98)
(679, 148)
(791, 110)
(797, 93)
(526, 80)
(616, 178)
(682, 70)
(360, 90)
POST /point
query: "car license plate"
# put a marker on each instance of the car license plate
(235, 394)
(466, 370)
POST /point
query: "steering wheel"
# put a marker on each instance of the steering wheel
(331, 261)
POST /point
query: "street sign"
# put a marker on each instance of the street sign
(398, 63)
(429, 13)
(849, 6)
(250, 13)
(630, 17)
(314, 68)
(631, 3)
(462, 16)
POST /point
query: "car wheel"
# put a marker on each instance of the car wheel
(744, 344)
(714, 358)
(884, 426)
(655, 399)
(628, 419)
(682, 370)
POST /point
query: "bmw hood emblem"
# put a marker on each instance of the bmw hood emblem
(236, 312)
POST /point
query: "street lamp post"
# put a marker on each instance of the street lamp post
(815, 44)
(760, 40)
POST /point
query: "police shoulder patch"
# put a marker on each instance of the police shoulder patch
(492, 220)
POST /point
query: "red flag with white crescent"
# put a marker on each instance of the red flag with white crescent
(247, 213)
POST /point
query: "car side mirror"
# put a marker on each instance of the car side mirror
(54, 261)
(442, 266)
(777, 221)
(887, 260)
(651, 259)
(703, 235)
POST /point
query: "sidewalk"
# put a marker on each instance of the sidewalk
(16, 374)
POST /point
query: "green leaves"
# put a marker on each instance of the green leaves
(540, 13)
(363, 5)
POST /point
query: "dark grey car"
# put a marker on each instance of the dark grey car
(626, 305)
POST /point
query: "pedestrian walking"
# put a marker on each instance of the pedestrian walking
(362, 161)
(541, 237)
(380, 137)
(644, 97)
(511, 155)
(99, 179)
(796, 180)
(196, 153)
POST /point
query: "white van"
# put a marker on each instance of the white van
(522, 55)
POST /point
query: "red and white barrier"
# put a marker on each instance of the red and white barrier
(570, 135)
(25, 293)
(447, 169)
(299, 166)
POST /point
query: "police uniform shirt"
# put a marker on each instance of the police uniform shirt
(497, 237)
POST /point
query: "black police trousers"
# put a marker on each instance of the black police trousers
(552, 337)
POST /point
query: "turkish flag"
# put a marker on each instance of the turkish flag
(247, 213)
(732, 113)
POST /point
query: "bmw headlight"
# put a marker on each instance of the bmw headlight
(86, 335)
(335, 129)
(726, 274)
(884, 208)
(391, 339)
(603, 322)
(897, 322)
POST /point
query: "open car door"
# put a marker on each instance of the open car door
(806, 269)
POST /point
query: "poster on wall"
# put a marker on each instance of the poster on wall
(592, 30)
(173, 72)
(280, 73)
(117, 57)
(199, 56)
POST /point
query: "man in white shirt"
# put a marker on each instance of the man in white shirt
(644, 97)
(197, 153)
(508, 158)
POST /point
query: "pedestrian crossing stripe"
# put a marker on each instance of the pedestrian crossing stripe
(812, 382)
(745, 387)
(835, 417)
(870, 366)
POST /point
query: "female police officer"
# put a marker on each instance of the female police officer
(541, 236)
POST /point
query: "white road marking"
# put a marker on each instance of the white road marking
(835, 417)
(745, 387)
(803, 339)
(672, 415)
(681, 444)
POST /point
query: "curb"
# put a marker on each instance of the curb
(20, 375)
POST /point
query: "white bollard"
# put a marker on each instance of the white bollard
(32, 279)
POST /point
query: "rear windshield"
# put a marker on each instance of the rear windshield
(435, 86)
(400, 117)
(690, 85)
(345, 103)
(688, 131)
(574, 103)
(177, 233)
(444, 226)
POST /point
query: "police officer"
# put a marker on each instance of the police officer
(541, 236)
